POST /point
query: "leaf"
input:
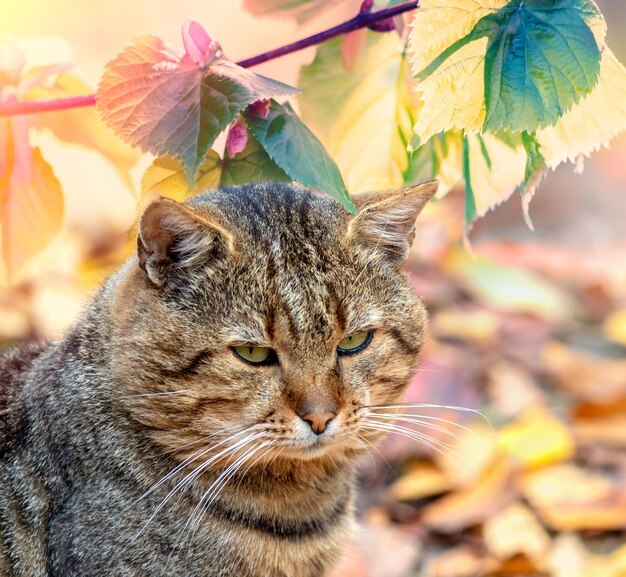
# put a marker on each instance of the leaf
(509, 289)
(585, 376)
(165, 177)
(473, 504)
(31, 199)
(516, 531)
(363, 115)
(614, 327)
(81, 126)
(252, 164)
(494, 65)
(538, 439)
(295, 149)
(591, 124)
(421, 480)
(496, 166)
(155, 98)
(453, 96)
(569, 498)
(542, 58)
(300, 10)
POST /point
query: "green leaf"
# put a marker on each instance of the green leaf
(496, 65)
(252, 164)
(470, 201)
(507, 288)
(154, 98)
(295, 149)
(535, 162)
(542, 58)
(363, 115)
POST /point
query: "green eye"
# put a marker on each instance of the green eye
(256, 355)
(355, 343)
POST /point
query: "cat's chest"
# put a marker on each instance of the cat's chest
(101, 530)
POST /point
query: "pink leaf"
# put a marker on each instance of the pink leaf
(154, 97)
(237, 137)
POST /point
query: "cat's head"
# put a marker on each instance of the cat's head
(268, 316)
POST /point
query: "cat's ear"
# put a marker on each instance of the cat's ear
(174, 238)
(385, 222)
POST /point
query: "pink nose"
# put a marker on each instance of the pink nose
(318, 421)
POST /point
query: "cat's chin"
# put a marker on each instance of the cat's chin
(320, 449)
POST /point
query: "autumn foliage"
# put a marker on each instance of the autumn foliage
(484, 95)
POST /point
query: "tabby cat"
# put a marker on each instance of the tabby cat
(203, 416)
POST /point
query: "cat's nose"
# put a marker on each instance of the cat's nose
(318, 421)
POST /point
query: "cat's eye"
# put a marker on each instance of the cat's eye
(261, 356)
(354, 343)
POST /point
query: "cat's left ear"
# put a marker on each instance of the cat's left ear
(385, 222)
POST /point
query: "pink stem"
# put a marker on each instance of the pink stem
(361, 20)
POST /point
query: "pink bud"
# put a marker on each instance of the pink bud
(237, 138)
(260, 108)
(199, 47)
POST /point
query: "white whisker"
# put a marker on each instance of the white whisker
(434, 444)
(156, 394)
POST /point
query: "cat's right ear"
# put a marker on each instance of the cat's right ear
(176, 238)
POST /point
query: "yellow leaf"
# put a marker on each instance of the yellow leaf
(493, 180)
(362, 115)
(493, 184)
(569, 498)
(615, 327)
(31, 199)
(593, 122)
(166, 177)
(440, 23)
(538, 439)
(453, 96)
(476, 440)
(82, 126)
(421, 480)
(516, 531)
(473, 504)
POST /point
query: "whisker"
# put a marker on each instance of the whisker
(434, 444)
(363, 442)
(187, 479)
(155, 394)
(190, 460)
(429, 406)
(417, 420)
(216, 488)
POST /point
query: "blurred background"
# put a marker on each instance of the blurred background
(528, 328)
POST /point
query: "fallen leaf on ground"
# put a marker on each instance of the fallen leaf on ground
(512, 390)
(569, 498)
(592, 378)
(516, 531)
(421, 480)
(474, 504)
(536, 439)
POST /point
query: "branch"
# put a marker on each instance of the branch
(361, 20)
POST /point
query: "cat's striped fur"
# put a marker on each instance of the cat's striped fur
(98, 430)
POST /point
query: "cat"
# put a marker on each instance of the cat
(204, 415)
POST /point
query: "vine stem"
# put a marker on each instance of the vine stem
(361, 20)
